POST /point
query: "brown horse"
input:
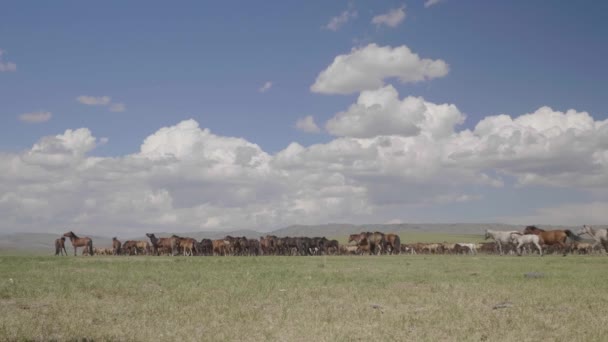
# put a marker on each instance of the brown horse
(376, 241)
(553, 237)
(85, 242)
(116, 246)
(164, 245)
(60, 246)
(393, 243)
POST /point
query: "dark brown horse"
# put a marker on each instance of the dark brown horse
(85, 242)
(553, 237)
(60, 246)
(116, 246)
(393, 243)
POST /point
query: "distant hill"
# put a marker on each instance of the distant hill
(444, 228)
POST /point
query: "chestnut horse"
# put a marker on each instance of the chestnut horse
(553, 237)
(60, 246)
(80, 242)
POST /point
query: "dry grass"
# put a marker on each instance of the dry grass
(433, 298)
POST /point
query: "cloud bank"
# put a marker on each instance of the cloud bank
(389, 153)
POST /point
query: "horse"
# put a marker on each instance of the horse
(60, 246)
(376, 241)
(393, 243)
(523, 239)
(500, 237)
(599, 235)
(471, 248)
(553, 237)
(161, 244)
(116, 246)
(80, 242)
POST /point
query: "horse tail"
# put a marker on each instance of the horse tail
(573, 236)
(90, 245)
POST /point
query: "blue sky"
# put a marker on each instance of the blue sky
(206, 61)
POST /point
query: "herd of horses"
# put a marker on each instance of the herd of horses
(530, 239)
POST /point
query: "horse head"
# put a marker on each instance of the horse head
(487, 235)
(354, 237)
(532, 230)
(70, 234)
(585, 230)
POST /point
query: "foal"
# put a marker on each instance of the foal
(523, 239)
(85, 242)
(60, 246)
(599, 235)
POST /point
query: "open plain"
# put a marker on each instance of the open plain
(325, 298)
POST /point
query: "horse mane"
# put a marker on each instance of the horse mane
(535, 228)
(73, 235)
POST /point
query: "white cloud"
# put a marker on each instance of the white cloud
(265, 87)
(391, 19)
(186, 178)
(117, 107)
(337, 22)
(429, 3)
(307, 124)
(94, 100)
(105, 101)
(36, 117)
(380, 112)
(6, 66)
(367, 67)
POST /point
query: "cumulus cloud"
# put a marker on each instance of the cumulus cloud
(429, 3)
(392, 18)
(6, 66)
(185, 178)
(35, 117)
(308, 125)
(366, 68)
(335, 23)
(265, 87)
(381, 112)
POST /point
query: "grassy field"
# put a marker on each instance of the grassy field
(386, 298)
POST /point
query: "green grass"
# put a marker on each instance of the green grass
(355, 298)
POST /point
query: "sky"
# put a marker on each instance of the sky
(127, 117)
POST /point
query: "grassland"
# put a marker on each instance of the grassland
(386, 298)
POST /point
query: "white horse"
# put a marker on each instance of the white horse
(599, 235)
(500, 237)
(524, 239)
(471, 246)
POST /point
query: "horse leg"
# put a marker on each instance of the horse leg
(499, 247)
(518, 248)
(540, 251)
(565, 247)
